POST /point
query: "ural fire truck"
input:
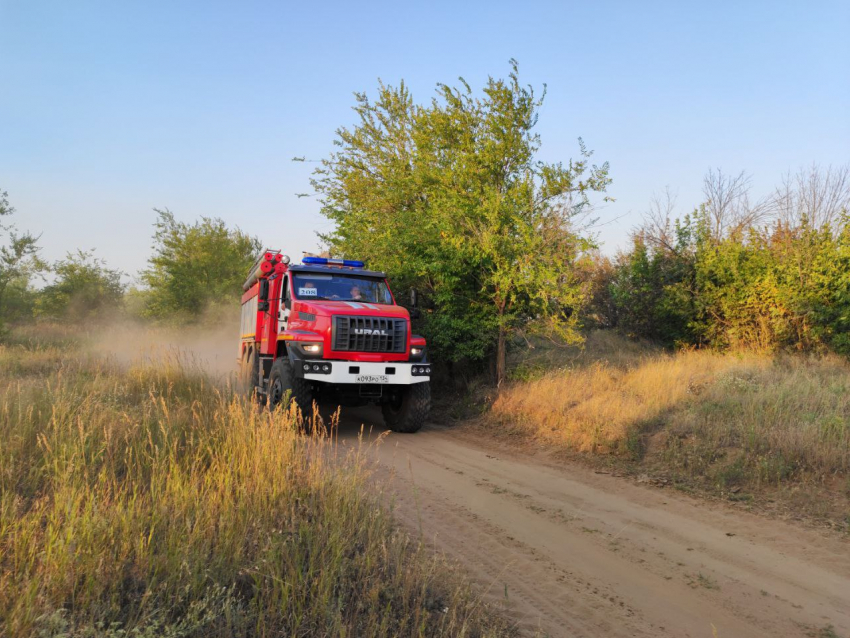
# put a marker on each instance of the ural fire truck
(330, 330)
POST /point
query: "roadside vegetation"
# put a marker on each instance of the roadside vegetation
(771, 275)
(740, 425)
(720, 358)
(147, 500)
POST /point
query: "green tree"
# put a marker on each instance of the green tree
(84, 289)
(451, 198)
(195, 265)
(18, 258)
(19, 299)
(652, 289)
(779, 287)
(737, 276)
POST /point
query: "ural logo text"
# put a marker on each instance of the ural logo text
(369, 331)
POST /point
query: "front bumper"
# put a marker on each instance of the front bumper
(357, 372)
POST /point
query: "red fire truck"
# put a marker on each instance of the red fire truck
(330, 330)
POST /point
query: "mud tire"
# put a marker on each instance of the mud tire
(251, 376)
(282, 379)
(248, 370)
(409, 412)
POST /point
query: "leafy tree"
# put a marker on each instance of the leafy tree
(598, 274)
(450, 197)
(18, 257)
(19, 299)
(652, 289)
(780, 287)
(195, 265)
(84, 289)
(726, 278)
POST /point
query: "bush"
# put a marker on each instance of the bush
(767, 289)
(84, 289)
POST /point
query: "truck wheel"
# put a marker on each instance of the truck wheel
(407, 411)
(245, 372)
(252, 376)
(283, 379)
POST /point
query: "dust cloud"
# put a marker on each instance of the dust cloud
(212, 345)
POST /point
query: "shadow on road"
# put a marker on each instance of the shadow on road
(352, 421)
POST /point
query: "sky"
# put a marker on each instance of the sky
(111, 109)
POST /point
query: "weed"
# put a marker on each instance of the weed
(701, 580)
(827, 631)
(707, 581)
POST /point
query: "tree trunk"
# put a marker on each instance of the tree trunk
(501, 362)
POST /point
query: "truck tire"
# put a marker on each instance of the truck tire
(407, 413)
(252, 376)
(246, 378)
(283, 379)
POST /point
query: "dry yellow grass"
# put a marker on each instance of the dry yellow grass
(147, 501)
(594, 408)
(730, 419)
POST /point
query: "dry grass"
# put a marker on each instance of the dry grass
(147, 501)
(725, 419)
(769, 422)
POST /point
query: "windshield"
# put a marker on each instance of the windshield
(333, 287)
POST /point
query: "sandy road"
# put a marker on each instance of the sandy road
(582, 554)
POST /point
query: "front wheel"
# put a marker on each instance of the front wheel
(282, 379)
(408, 408)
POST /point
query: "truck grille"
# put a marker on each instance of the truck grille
(369, 334)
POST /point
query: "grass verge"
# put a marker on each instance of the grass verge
(734, 425)
(145, 500)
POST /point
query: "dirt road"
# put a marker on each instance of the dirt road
(583, 554)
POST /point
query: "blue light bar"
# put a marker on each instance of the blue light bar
(351, 263)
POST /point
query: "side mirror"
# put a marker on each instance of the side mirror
(263, 296)
(414, 311)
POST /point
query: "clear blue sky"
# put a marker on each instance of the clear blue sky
(109, 109)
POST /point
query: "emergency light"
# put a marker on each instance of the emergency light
(323, 261)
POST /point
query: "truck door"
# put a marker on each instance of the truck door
(285, 305)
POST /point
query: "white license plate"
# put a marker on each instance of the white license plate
(372, 378)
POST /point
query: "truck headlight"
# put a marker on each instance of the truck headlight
(415, 351)
(309, 351)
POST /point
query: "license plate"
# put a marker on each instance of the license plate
(372, 378)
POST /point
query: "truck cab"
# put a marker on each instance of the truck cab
(331, 330)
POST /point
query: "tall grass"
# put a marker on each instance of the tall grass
(731, 419)
(147, 501)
